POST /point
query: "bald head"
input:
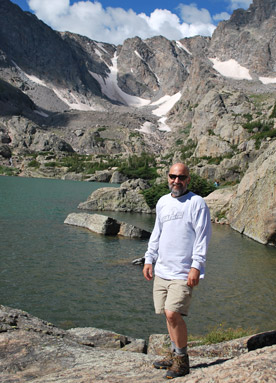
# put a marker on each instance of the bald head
(178, 179)
(179, 168)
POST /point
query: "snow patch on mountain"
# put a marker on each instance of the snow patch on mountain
(268, 80)
(181, 46)
(101, 46)
(138, 55)
(41, 113)
(148, 128)
(35, 79)
(69, 98)
(111, 89)
(166, 103)
(163, 127)
(231, 68)
(73, 101)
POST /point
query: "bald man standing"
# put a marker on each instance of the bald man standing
(177, 248)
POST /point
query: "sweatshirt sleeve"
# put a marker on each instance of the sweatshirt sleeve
(202, 227)
(151, 254)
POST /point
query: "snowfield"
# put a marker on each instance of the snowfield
(231, 68)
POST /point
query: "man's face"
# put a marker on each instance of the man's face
(178, 180)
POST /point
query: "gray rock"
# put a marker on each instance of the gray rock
(102, 224)
(94, 337)
(5, 151)
(35, 351)
(117, 177)
(253, 210)
(4, 137)
(139, 261)
(100, 176)
(117, 199)
(135, 345)
(219, 201)
(139, 184)
(95, 222)
(127, 230)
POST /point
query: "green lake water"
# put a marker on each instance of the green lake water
(75, 278)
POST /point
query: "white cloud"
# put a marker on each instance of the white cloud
(234, 4)
(192, 15)
(221, 16)
(114, 25)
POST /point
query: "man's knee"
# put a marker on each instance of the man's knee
(173, 317)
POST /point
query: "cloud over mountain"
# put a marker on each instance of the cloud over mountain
(114, 25)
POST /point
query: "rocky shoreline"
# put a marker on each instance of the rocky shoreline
(33, 350)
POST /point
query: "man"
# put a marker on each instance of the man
(177, 246)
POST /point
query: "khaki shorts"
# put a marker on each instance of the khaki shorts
(173, 295)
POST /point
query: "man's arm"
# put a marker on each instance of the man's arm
(152, 251)
(202, 227)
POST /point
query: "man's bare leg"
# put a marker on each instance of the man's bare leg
(178, 333)
(177, 328)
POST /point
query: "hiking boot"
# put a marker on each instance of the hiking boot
(180, 367)
(165, 363)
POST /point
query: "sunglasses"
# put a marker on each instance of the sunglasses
(181, 177)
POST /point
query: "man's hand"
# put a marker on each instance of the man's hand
(147, 271)
(193, 277)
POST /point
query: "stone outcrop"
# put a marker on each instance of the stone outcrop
(147, 78)
(94, 337)
(36, 351)
(219, 202)
(250, 207)
(242, 36)
(102, 224)
(126, 198)
(253, 210)
(112, 176)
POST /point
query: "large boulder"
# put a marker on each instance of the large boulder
(102, 224)
(219, 202)
(5, 151)
(211, 146)
(94, 337)
(100, 176)
(253, 210)
(127, 198)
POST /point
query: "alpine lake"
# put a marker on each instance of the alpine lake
(72, 277)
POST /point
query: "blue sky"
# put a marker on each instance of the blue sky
(115, 20)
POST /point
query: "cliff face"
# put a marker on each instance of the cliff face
(249, 38)
(253, 211)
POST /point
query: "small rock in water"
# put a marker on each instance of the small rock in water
(139, 261)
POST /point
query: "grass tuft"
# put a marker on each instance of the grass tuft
(220, 333)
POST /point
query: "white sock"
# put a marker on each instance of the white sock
(173, 346)
(181, 351)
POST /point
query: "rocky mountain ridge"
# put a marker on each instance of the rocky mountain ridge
(206, 85)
